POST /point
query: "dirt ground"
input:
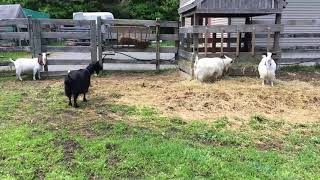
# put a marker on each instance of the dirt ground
(295, 97)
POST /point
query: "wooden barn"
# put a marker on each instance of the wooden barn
(300, 37)
(208, 35)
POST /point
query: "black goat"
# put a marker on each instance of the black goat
(78, 82)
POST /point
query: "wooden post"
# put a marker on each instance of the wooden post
(93, 40)
(276, 42)
(229, 34)
(99, 40)
(247, 36)
(195, 43)
(269, 38)
(182, 36)
(238, 44)
(253, 43)
(37, 37)
(158, 44)
(206, 44)
(30, 31)
(214, 42)
(177, 42)
(222, 40)
(206, 37)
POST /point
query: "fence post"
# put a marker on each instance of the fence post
(158, 44)
(99, 41)
(93, 40)
(30, 31)
(177, 42)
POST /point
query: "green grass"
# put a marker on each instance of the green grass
(297, 68)
(41, 137)
(5, 56)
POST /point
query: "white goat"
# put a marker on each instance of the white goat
(211, 69)
(30, 64)
(267, 69)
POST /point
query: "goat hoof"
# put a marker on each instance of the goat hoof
(85, 100)
(70, 104)
(76, 106)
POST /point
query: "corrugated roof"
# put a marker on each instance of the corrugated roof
(36, 14)
(11, 11)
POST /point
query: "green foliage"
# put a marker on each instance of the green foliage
(5, 56)
(137, 9)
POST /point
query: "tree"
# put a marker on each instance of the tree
(137, 9)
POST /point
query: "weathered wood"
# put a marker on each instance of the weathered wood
(67, 48)
(68, 62)
(269, 40)
(136, 22)
(206, 43)
(99, 40)
(66, 35)
(14, 35)
(158, 44)
(30, 31)
(150, 49)
(238, 44)
(36, 37)
(195, 43)
(253, 42)
(12, 22)
(246, 12)
(214, 42)
(93, 40)
(184, 66)
(232, 28)
(185, 55)
(276, 41)
(222, 41)
(177, 41)
(64, 22)
(132, 61)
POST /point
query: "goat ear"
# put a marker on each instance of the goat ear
(48, 54)
(40, 54)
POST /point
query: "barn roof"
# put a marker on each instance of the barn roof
(232, 8)
(10, 11)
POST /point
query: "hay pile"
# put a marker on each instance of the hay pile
(235, 98)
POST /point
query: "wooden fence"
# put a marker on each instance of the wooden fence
(42, 30)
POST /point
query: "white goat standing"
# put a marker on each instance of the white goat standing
(267, 69)
(30, 64)
(211, 69)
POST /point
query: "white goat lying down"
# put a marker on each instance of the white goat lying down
(211, 69)
(30, 64)
(267, 69)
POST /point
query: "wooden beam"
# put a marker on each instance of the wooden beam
(99, 40)
(232, 28)
(158, 45)
(93, 40)
(238, 44)
(66, 35)
(64, 22)
(13, 22)
(67, 48)
(253, 42)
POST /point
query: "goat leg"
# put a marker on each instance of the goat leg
(39, 75)
(70, 104)
(84, 98)
(34, 75)
(75, 97)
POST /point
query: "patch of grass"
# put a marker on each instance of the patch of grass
(298, 68)
(5, 56)
(9, 101)
(116, 141)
